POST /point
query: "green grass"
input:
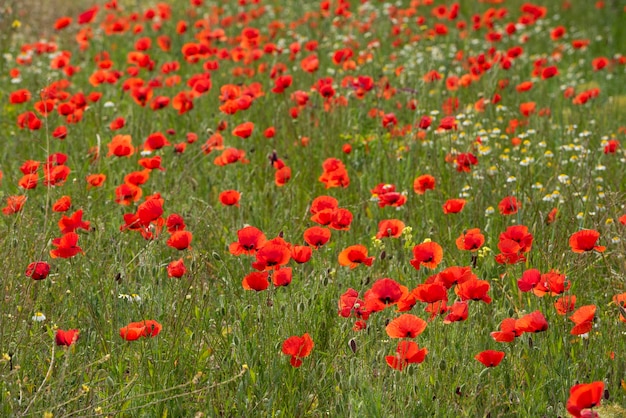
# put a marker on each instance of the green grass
(219, 350)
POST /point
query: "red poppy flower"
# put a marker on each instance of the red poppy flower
(549, 72)
(551, 282)
(508, 332)
(583, 397)
(66, 338)
(342, 55)
(527, 108)
(136, 330)
(29, 167)
(28, 120)
(249, 241)
(557, 33)
(150, 210)
(88, 15)
(316, 236)
(281, 83)
(408, 352)
(230, 156)
(95, 180)
(230, 198)
(620, 301)
(121, 146)
(389, 120)
(524, 86)
(382, 188)
(455, 275)
(14, 204)
(137, 178)
(272, 255)
(580, 43)
(530, 279)
(155, 141)
(117, 123)
(74, 222)
(465, 161)
(611, 146)
(38, 270)
(585, 240)
(244, 130)
(180, 240)
(153, 328)
(175, 222)
(66, 246)
(394, 199)
(310, 64)
(407, 301)
(63, 204)
(425, 122)
(215, 142)
(513, 243)
(55, 175)
(323, 202)
(28, 181)
(132, 333)
(458, 312)
(131, 223)
(453, 206)
(152, 163)
(532, 322)
(341, 219)
(153, 230)
(351, 305)
(282, 276)
(355, 255)
(390, 228)
(384, 292)
(257, 281)
(437, 308)
(335, 174)
(474, 289)
(551, 217)
(490, 358)
(430, 292)
(583, 319)
(60, 132)
(448, 123)
(509, 205)
(176, 268)
(520, 235)
(565, 304)
(406, 326)
(127, 193)
(183, 101)
(19, 96)
(298, 348)
(423, 183)
(269, 132)
(470, 240)
(301, 253)
(282, 176)
(599, 63)
(428, 254)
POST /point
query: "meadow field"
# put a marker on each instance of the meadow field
(320, 208)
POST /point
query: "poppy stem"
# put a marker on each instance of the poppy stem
(45, 379)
